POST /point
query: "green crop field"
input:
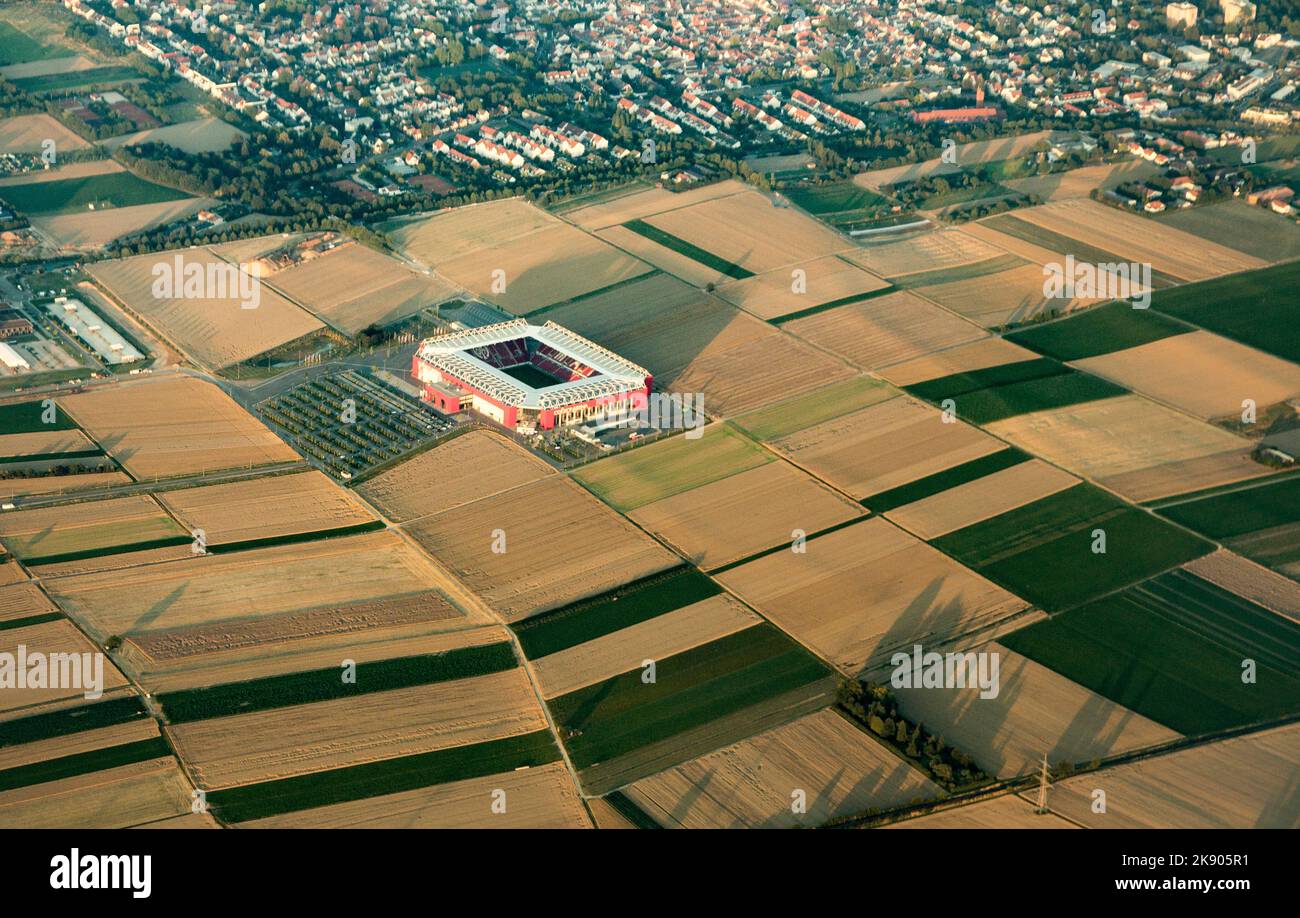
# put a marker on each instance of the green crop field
(1261, 522)
(644, 475)
(1260, 308)
(619, 715)
(835, 198)
(326, 684)
(682, 247)
(26, 417)
(935, 390)
(983, 406)
(939, 482)
(71, 720)
(83, 763)
(803, 411)
(17, 47)
(94, 78)
(76, 195)
(1100, 330)
(1171, 649)
(1043, 551)
(636, 602)
(389, 776)
(1240, 511)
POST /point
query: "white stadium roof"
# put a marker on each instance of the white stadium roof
(452, 353)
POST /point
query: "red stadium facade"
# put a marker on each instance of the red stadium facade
(528, 377)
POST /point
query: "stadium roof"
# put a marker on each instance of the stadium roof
(452, 353)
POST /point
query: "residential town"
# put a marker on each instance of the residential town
(608, 87)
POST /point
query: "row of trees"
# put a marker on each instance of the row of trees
(872, 705)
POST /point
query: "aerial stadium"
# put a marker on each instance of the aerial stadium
(527, 377)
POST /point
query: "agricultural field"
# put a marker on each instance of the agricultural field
(1097, 332)
(705, 259)
(53, 637)
(201, 135)
(1250, 581)
(31, 755)
(266, 510)
(22, 602)
(105, 190)
(1036, 711)
(541, 797)
(668, 467)
(641, 202)
(1079, 183)
(965, 358)
(384, 777)
(46, 444)
(98, 78)
(1006, 812)
(998, 298)
(383, 424)
(780, 292)
(284, 742)
(174, 426)
(313, 587)
(885, 330)
(58, 484)
(1087, 227)
(624, 728)
(1239, 783)
(745, 513)
(1000, 392)
(213, 331)
(859, 594)
(884, 446)
(69, 532)
(974, 501)
(1044, 550)
(120, 797)
(622, 607)
(749, 231)
(352, 287)
(1134, 446)
(555, 543)
(26, 133)
(945, 249)
(261, 652)
(28, 34)
(1171, 649)
(788, 416)
(839, 766)
(541, 259)
(1201, 373)
(1258, 308)
(464, 469)
(694, 342)
(89, 230)
(657, 638)
(308, 686)
(1260, 521)
(967, 154)
(1237, 225)
(844, 205)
